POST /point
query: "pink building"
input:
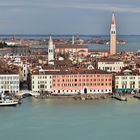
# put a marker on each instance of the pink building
(74, 82)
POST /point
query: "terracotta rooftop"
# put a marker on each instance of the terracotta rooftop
(123, 73)
(9, 69)
(98, 51)
(109, 60)
(72, 71)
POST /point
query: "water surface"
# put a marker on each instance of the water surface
(71, 120)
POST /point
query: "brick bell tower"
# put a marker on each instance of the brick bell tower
(113, 36)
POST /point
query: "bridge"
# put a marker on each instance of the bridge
(27, 92)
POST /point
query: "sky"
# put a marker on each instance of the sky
(69, 16)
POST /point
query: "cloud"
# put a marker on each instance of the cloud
(127, 8)
(99, 6)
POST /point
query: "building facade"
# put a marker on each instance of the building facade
(88, 82)
(110, 65)
(68, 82)
(9, 83)
(41, 82)
(127, 81)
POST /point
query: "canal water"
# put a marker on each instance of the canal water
(71, 120)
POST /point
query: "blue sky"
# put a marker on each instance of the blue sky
(68, 16)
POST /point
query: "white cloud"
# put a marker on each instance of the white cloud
(74, 5)
(101, 7)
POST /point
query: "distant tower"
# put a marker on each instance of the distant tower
(113, 36)
(51, 49)
(73, 40)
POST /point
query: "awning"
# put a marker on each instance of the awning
(125, 89)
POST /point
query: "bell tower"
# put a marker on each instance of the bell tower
(113, 36)
(51, 50)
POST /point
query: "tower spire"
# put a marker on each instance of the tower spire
(113, 19)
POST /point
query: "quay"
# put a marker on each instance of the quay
(84, 97)
(119, 97)
(90, 97)
(137, 96)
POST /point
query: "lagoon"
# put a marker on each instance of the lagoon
(67, 119)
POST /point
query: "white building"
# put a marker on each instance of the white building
(51, 51)
(110, 65)
(9, 83)
(41, 81)
(127, 81)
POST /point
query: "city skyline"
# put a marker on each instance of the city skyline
(69, 17)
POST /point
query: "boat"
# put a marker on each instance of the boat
(7, 101)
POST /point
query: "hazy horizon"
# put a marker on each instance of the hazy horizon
(29, 34)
